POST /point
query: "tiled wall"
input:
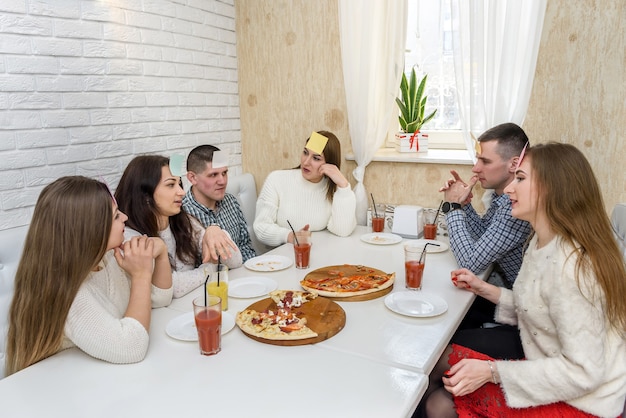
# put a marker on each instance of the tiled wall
(87, 85)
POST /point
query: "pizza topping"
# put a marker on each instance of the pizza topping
(290, 298)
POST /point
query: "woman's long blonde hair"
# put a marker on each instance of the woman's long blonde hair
(67, 238)
(574, 207)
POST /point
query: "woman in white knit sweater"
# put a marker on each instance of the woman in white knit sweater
(78, 285)
(152, 198)
(314, 196)
(568, 303)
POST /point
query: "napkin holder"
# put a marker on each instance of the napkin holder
(407, 221)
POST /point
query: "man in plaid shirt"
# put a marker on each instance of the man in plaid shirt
(208, 201)
(495, 239)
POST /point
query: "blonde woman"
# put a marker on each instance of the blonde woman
(78, 285)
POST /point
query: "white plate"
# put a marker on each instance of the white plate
(416, 303)
(431, 248)
(251, 287)
(380, 238)
(183, 327)
(268, 263)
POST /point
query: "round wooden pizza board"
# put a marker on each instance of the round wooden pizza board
(323, 316)
(324, 272)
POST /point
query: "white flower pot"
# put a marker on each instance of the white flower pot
(411, 142)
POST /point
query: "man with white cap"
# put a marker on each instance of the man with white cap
(207, 200)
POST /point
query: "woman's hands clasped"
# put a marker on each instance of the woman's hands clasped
(136, 256)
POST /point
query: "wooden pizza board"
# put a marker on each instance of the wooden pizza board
(324, 272)
(323, 316)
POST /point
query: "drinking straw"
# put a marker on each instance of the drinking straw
(438, 209)
(219, 262)
(374, 204)
(294, 232)
(205, 289)
(424, 252)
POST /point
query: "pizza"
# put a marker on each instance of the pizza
(347, 280)
(282, 322)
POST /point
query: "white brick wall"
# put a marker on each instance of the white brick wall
(87, 85)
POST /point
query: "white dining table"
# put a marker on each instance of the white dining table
(376, 366)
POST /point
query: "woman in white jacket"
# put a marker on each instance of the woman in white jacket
(568, 303)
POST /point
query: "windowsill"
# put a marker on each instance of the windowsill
(433, 156)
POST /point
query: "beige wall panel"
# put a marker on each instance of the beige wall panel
(290, 80)
(290, 83)
(579, 92)
(412, 184)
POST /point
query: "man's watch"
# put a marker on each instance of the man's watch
(450, 206)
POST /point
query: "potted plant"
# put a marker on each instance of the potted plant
(412, 106)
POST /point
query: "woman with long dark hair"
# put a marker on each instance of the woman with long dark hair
(152, 198)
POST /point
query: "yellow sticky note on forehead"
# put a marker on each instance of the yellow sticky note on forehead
(477, 147)
(316, 143)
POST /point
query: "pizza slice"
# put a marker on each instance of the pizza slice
(291, 298)
(279, 324)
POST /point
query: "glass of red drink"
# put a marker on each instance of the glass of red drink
(378, 217)
(414, 262)
(430, 223)
(208, 316)
(302, 249)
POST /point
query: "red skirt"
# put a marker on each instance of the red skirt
(489, 401)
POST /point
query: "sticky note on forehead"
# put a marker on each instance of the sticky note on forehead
(317, 143)
(220, 159)
(477, 147)
(177, 164)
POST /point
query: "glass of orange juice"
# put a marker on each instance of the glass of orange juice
(218, 284)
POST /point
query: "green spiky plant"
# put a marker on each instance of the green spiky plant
(413, 104)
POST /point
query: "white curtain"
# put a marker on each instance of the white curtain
(373, 34)
(495, 45)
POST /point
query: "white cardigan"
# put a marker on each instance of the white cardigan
(572, 353)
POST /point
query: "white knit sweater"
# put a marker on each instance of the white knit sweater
(287, 196)
(572, 354)
(96, 322)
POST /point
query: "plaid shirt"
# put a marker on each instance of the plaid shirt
(497, 237)
(227, 215)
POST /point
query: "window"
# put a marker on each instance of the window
(429, 50)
